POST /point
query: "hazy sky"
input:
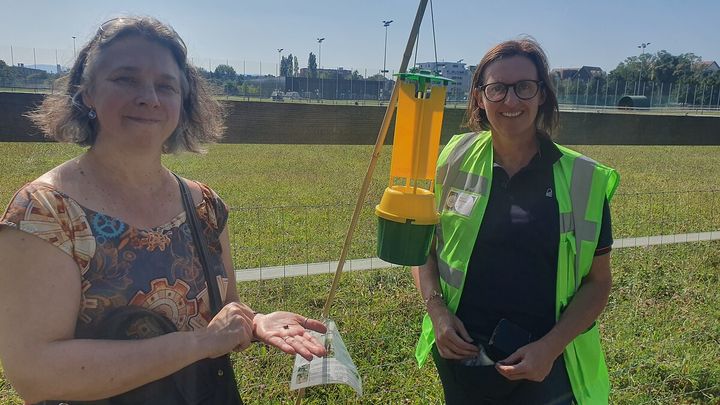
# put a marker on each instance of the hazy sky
(573, 33)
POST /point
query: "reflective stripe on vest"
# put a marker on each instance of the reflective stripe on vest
(451, 168)
(580, 183)
(468, 182)
(453, 277)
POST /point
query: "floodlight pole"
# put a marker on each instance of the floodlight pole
(74, 51)
(320, 40)
(386, 24)
(642, 47)
(279, 63)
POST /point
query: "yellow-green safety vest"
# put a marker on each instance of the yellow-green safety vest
(464, 169)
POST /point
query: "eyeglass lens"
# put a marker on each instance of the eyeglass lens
(524, 90)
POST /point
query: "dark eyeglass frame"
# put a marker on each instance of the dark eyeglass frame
(483, 89)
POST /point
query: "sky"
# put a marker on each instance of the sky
(248, 34)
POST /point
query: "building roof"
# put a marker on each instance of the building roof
(572, 73)
(710, 65)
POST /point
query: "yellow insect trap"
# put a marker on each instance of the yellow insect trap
(406, 214)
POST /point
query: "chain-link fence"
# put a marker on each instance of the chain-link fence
(645, 94)
(34, 69)
(305, 240)
(659, 328)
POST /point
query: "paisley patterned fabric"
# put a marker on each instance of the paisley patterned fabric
(123, 265)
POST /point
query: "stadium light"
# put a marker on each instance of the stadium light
(386, 24)
(642, 47)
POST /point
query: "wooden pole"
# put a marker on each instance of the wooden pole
(373, 161)
(371, 167)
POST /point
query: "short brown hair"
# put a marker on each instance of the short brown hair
(64, 118)
(547, 118)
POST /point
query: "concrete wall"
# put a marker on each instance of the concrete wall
(577, 128)
(266, 122)
(13, 125)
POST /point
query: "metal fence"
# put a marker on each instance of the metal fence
(657, 233)
(261, 80)
(282, 241)
(657, 95)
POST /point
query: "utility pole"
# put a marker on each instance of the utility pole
(74, 51)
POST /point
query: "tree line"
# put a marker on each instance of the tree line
(662, 77)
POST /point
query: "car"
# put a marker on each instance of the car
(277, 96)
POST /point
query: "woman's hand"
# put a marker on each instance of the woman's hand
(531, 362)
(534, 361)
(289, 332)
(451, 337)
(232, 328)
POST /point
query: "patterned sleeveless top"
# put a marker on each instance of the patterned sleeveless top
(122, 265)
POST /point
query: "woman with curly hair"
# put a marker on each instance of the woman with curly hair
(108, 230)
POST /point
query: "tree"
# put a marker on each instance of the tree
(230, 88)
(663, 67)
(204, 72)
(296, 67)
(224, 73)
(38, 77)
(686, 67)
(286, 66)
(5, 73)
(377, 77)
(312, 65)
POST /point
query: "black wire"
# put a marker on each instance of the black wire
(432, 18)
(417, 42)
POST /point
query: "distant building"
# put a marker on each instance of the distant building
(584, 73)
(455, 71)
(328, 72)
(709, 66)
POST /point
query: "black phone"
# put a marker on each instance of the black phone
(506, 339)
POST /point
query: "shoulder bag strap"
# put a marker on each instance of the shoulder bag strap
(200, 245)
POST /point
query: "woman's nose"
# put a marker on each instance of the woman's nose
(148, 96)
(511, 98)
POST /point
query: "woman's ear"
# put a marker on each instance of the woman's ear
(87, 99)
(478, 98)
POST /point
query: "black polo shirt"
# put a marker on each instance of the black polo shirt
(513, 268)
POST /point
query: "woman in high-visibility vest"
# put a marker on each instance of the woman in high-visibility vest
(520, 266)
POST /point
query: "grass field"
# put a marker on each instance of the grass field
(292, 204)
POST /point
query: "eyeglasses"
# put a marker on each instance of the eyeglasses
(524, 90)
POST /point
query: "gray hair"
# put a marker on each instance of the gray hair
(64, 117)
